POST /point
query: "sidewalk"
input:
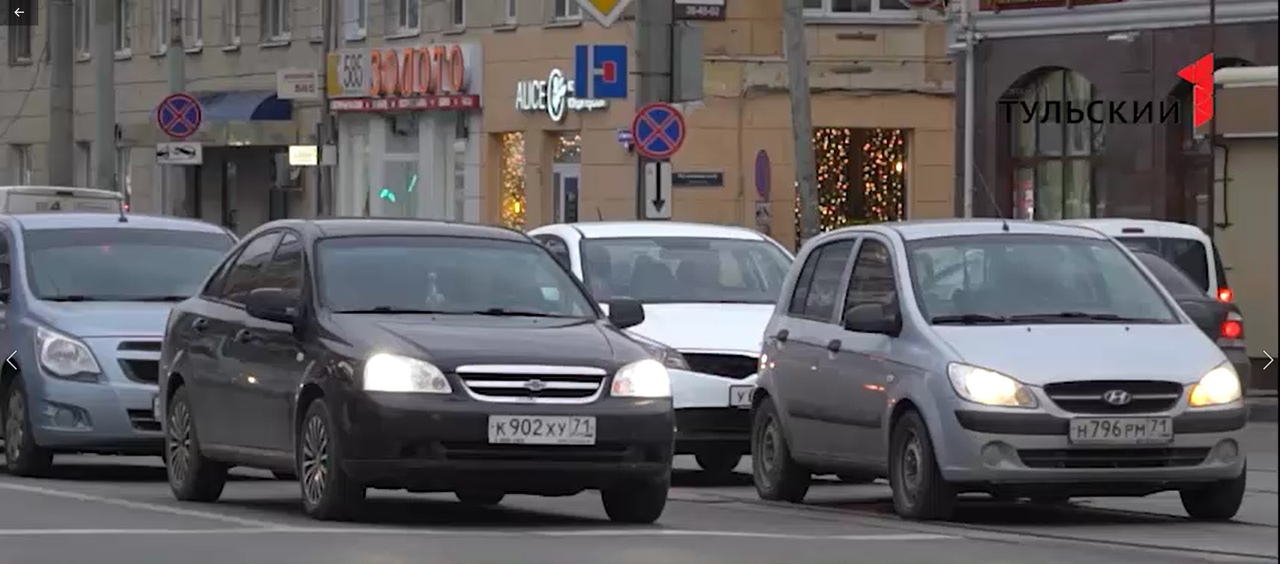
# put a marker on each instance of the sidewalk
(1262, 406)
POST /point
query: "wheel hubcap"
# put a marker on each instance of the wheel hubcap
(315, 460)
(910, 471)
(15, 429)
(768, 455)
(179, 443)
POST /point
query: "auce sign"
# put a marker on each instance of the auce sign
(553, 96)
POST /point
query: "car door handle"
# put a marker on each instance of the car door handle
(244, 336)
(782, 335)
(200, 324)
(834, 345)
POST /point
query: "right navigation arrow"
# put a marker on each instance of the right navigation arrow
(1269, 360)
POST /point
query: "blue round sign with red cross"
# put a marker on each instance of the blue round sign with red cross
(658, 131)
(179, 115)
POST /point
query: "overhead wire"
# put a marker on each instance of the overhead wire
(26, 95)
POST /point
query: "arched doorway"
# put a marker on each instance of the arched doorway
(1053, 166)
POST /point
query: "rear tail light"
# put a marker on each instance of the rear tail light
(1231, 333)
(1225, 295)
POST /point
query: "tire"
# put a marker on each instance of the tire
(192, 476)
(919, 491)
(857, 478)
(717, 462)
(1218, 501)
(637, 502)
(21, 453)
(777, 476)
(480, 498)
(284, 476)
(328, 493)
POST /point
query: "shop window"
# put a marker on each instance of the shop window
(568, 148)
(861, 176)
(511, 178)
(1053, 164)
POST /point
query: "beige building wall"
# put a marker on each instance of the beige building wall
(1248, 244)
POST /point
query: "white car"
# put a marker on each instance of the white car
(708, 292)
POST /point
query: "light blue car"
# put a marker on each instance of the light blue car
(83, 304)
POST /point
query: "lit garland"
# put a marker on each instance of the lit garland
(568, 148)
(511, 176)
(883, 177)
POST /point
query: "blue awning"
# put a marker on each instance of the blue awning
(244, 105)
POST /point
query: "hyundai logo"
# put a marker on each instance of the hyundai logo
(1117, 397)
(539, 385)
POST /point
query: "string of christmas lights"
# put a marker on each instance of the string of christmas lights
(511, 177)
(882, 174)
(568, 147)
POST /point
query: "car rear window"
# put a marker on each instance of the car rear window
(1170, 276)
(1188, 255)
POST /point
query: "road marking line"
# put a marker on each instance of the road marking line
(209, 515)
(114, 532)
(633, 533)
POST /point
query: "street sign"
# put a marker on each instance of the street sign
(179, 115)
(297, 84)
(600, 71)
(657, 190)
(181, 153)
(658, 130)
(705, 10)
(604, 12)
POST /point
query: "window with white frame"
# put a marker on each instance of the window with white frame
(355, 19)
(509, 15)
(192, 23)
(403, 15)
(82, 19)
(161, 22)
(19, 44)
(457, 14)
(567, 10)
(231, 22)
(124, 27)
(839, 8)
(20, 159)
(276, 20)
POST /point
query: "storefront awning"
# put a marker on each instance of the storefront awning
(244, 105)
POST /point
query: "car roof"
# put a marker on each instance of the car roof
(41, 221)
(649, 229)
(1115, 226)
(364, 226)
(931, 228)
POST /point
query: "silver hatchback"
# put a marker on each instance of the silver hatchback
(1024, 360)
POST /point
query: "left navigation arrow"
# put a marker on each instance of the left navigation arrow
(18, 12)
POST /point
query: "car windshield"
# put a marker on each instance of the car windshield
(685, 269)
(120, 263)
(1188, 255)
(445, 275)
(1031, 278)
(1174, 280)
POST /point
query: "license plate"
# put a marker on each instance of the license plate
(542, 430)
(1121, 430)
(740, 396)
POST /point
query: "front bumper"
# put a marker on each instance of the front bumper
(425, 443)
(1003, 448)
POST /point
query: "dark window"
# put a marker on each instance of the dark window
(286, 268)
(819, 283)
(872, 280)
(1189, 255)
(687, 269)
(246, 274)
(558, 249)
(5, 268)
(1173, 279)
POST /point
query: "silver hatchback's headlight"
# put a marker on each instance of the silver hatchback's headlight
(988, 387)
(1217, 387)
(394, 373)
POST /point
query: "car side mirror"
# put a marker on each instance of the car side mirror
(873, 318)
(272, 304)
(625, 312)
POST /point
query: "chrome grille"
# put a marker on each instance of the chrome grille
(532, 383)
(734, 366)
(1145, 396)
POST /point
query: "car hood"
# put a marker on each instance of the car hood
(449, 342)
(706, 327)
(105, 319)
(1042, 354)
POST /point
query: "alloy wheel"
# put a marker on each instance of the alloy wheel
(15, 427)
(769, 451)
(179, 443)
(315, 460)
(910, 467)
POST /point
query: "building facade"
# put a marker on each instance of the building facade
(442, 112)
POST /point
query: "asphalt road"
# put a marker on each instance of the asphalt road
(119, 510)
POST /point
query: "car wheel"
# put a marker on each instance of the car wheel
(482, 498)
(192, 476)
(637, 502)
(327, 492)
(1218, 501)
(718, 462)
(21, 453)
(777, 476)
(919, 491)
(856, 477)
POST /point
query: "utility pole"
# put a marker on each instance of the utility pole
(654, 55)
(970, 92)
(324, 128)
(1212, 196)
(104, 107)
(801, 116)
(173, 190)
(62, 138)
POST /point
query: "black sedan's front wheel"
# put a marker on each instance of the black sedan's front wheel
(192, 476)
(328, 493)
(637, 501)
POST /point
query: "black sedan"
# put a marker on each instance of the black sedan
(425, 356)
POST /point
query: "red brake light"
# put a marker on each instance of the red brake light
(1225, 295)
(1231, 329)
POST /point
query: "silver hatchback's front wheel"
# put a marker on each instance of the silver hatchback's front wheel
(919, 490)
(777, 476)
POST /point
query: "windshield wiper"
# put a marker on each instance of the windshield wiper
(158, 299)
(503, 312)
(74, 298)
(405, 310)
(968, 319)
(1080, 315)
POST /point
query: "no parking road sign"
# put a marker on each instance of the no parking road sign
(179, 115)
(658, 131)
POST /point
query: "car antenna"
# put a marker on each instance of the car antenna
(599, 214)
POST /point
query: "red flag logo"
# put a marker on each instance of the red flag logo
(1200, 75)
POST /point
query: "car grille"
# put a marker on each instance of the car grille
(1113, 458)
(532, 383)
(143, 420)
(145, 371)
(141, 346)
(734, 366)
(1147, 396)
